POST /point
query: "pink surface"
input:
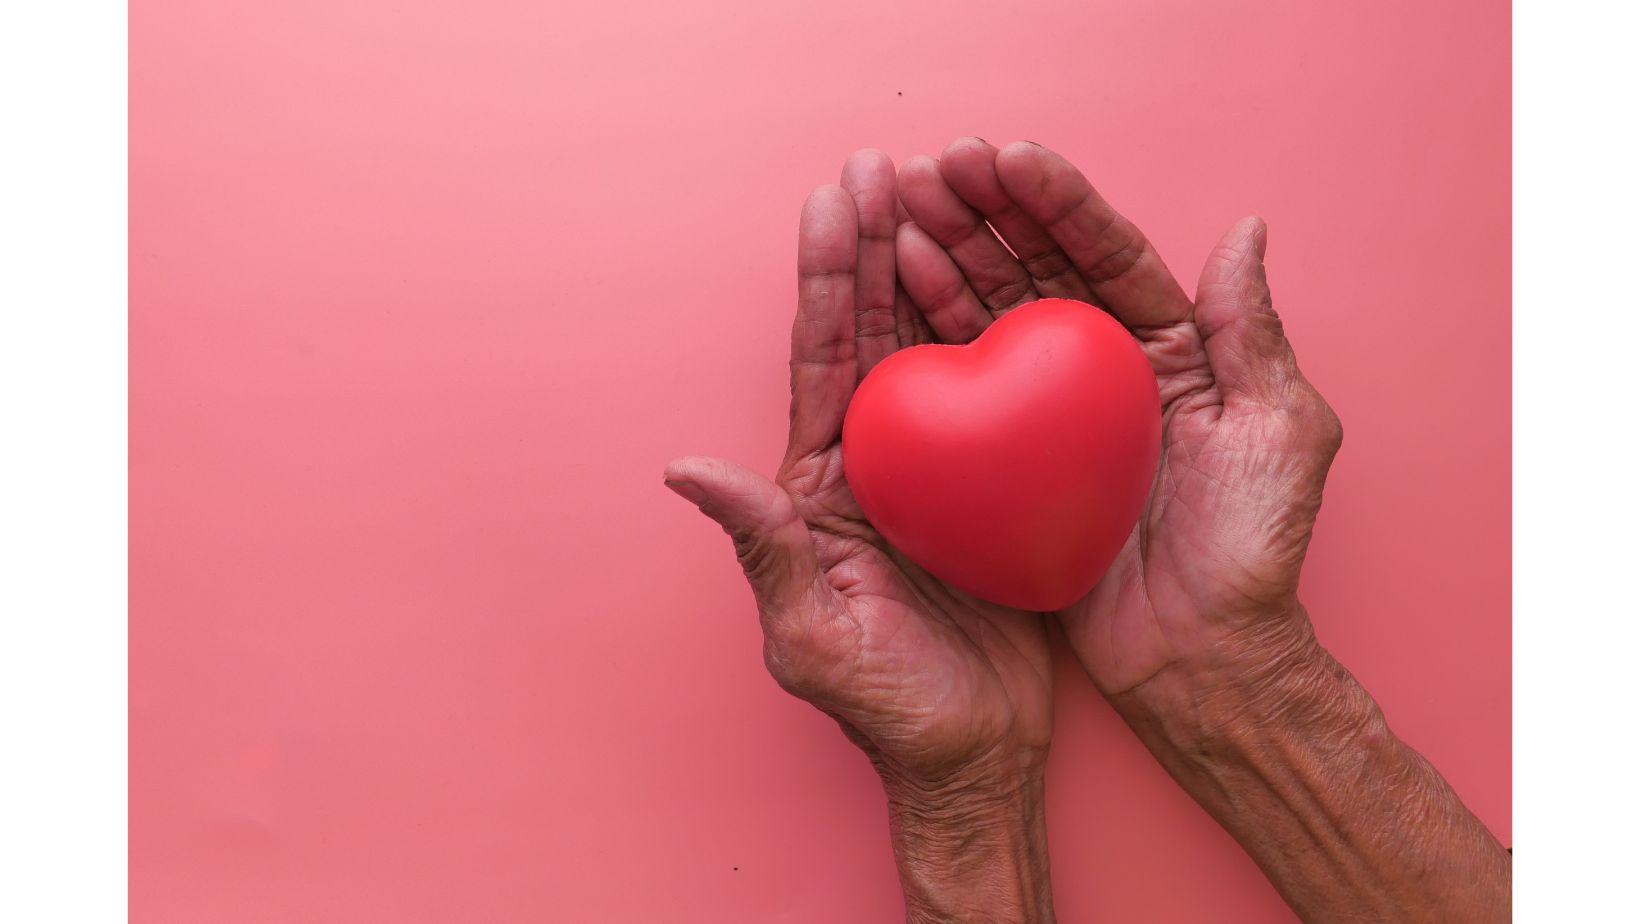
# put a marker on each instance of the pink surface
(425, 294)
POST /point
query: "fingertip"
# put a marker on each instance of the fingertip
(966, 146)
(969, 167)
(686, 469)
(827, 231)
(866, 168)
(679, 469)
(924, 193)
(828, 196)
(918, 168)
(1022, 168)
(868, 177)
(1244, 239)
(680, 476)
(1020, 152)
(725, 491)
(1254, 228)
(688, 490)
(965, 154)
(917, 182)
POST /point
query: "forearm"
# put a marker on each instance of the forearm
(1294, 758)
(972, 848)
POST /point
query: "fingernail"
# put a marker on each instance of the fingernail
(687, 490)
(1260, 235)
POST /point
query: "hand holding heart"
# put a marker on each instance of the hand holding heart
(940, 689)
(930, 680)
(1208, 579)
(1001, 396)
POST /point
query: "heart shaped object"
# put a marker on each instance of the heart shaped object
(1012, 468)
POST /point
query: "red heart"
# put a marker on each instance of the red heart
(1012, 468)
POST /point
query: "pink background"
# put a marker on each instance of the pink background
(424, 294)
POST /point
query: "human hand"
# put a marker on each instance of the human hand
(1195, 633)
(1211, 570)
(950, 696)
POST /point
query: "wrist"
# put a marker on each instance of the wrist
(971, 845)
(1267, 678)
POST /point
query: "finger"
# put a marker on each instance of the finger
(868, 177)
(992, 272)
(937, 287)
(1124, 271)
(1246, 347)
(912, 325)
(770, 540)
(823, 350)
(969, 167)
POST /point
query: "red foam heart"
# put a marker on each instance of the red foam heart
(1012, 468)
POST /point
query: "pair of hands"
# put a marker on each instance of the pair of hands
(947, 693)
(1195, 634)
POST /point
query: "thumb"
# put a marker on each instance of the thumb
(771, 541)
(1246, 348)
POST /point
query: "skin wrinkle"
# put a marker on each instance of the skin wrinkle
(1008, 296)
(1048, 265)
(1126, 257)
(940, 305)
(828, 352)
(875, 322)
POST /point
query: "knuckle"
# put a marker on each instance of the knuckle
(758, 555)
(1047, 264)
(1010, 294)
(875, 322)
(827, 349)
(1317, 422)
(1121, 253)
(1333, 428)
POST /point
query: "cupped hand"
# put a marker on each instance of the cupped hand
(1210, 574)
(936, 686)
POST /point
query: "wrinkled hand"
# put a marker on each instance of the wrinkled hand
(940, 689)
(1210, 575)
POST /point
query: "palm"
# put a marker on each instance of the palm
(926, 673)
(922, 675)
(1211, 543)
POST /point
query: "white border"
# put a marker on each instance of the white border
(1577, 412)
(62, 461)
(63, 490)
